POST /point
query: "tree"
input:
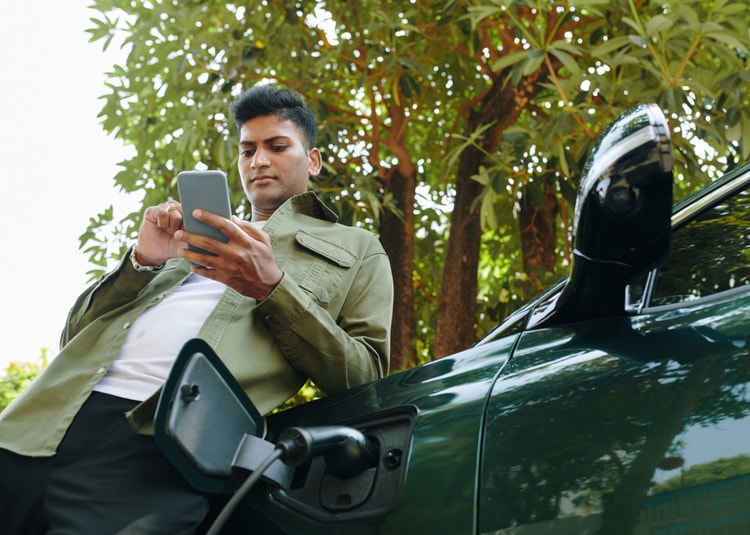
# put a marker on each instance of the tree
(706, 473)
(18, 375)
(556, 75)
(487, 107)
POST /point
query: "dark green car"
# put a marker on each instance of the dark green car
(617, 402)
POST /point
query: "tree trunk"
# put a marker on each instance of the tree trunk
(499, 107)
(397, 237)
(538, 237)
(457, 303)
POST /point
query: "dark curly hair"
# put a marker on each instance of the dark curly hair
(285, 104)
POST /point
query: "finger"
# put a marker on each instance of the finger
(169, 216)
(212, 219)
(228, 227)
(201, 262)
(206, 243)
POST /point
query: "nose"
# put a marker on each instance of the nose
(260, 158)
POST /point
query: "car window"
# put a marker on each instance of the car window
(709, 254)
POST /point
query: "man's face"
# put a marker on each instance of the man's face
(273, 163)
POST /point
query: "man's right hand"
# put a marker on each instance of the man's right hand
(156, 242)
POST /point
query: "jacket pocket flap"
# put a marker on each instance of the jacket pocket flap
(331, 251)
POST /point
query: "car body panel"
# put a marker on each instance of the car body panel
(587, 420)
(447, 398)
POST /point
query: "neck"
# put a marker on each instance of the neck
(259, 214)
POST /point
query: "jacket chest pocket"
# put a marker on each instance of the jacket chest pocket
(320, 266)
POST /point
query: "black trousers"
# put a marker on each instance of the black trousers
(104, 479)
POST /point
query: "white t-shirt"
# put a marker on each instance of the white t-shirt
(156, 337)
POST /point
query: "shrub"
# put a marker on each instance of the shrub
(18, 375)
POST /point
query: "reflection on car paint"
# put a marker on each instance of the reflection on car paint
(608, 425)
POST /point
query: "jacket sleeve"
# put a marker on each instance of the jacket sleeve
(114, 289)
(336, 353)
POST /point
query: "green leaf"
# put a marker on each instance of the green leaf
(482, 176)
(633, 24)
(731, 8)
(638, 41)
(727, 39)
(532, 65)
(567, 60)
(689, 15)
(487, 209)
(566, 46)
(611, 45)
(745, 139)
(588, 3)
(562, 159)
(509, 59)
(478, 13)
(658, 24)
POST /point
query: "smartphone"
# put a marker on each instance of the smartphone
(209, 191)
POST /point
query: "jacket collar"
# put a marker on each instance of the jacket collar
(305, 204)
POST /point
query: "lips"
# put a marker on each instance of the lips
(262, 178)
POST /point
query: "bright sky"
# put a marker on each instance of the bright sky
(58, 166)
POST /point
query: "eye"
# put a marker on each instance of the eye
(247, 153)
(278, 148)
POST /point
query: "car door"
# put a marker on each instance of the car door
(637, 423)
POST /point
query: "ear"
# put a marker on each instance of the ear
(316, 162)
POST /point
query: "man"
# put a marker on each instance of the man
(292, 295)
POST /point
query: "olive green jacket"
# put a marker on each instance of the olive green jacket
(328, 319)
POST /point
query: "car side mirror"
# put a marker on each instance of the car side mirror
(622, 217)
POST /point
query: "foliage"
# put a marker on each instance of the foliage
(699, 474)
(308, 392)
(18, 375)
(494, 101)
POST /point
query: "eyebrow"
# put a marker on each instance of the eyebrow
(244, 143)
